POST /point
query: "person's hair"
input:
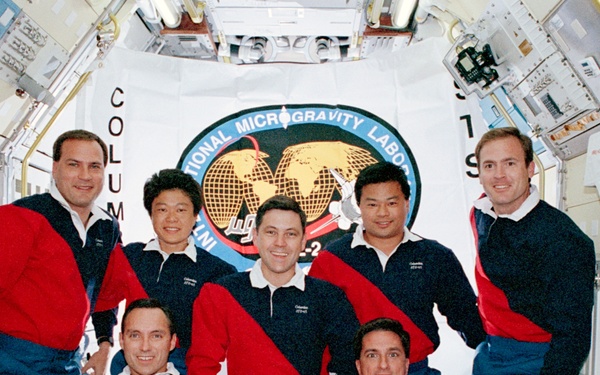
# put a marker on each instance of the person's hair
(80, 135)
(500, 133)
(280, 202)
(377, 173)
(381, 324)
(171, 179)
(148, 303)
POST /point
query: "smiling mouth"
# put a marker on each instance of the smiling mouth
(279, 254)
(145, 358)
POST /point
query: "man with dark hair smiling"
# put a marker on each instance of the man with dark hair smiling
(54, 251)
(382, 346)
(273, 320)
(170, 267)
(147, 336)
(388, 271)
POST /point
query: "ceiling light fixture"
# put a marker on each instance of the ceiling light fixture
(168, 12)
(403, 14)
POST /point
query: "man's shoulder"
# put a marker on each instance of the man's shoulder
(322, 287)
(428, 245)
(33, 207)
(549, 217)
(36, 201)
(547, 210)
(555, 221)
(234, 280)
(205, 259)
(134, 249)
(27, 215)
(341, 244)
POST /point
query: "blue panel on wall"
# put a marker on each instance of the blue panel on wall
(8, 14)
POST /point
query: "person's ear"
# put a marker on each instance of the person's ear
(531, 170)
(173, 341)
(254, 234)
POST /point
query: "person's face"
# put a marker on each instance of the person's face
(79, 174)
(147, 341)
(173, 219)
(504, 174)
(382, 354)
(383, 208)
(279, 240)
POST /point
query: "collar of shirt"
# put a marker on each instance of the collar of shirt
(485, 205)
(359, 240)
(171, 370)
(257, 279)
(189, 251)
(96, 213)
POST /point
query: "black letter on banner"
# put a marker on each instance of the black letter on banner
(471, 162)
(112, 98)
(110, 127)
(119, 214)
(112, 160)
(110, 183)
(469, 125)
(458, 94)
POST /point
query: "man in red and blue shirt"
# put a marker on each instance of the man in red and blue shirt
(534, 269)
(170, 267)
(273, 319)
(54, 251)
(388, 271)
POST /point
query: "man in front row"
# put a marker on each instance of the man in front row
(382, 346)
(273, 319)
(147, 336)
(534, 270)
(388, 271)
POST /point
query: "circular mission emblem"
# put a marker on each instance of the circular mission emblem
(312, 153)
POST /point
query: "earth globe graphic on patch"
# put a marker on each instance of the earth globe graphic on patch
(303, 173)
(233, 177)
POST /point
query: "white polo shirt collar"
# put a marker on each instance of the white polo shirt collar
(358, 239)
(258, 280)
(189, 251)
(96, 214)
(485, 205)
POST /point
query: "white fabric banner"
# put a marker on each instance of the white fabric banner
(152, 109)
